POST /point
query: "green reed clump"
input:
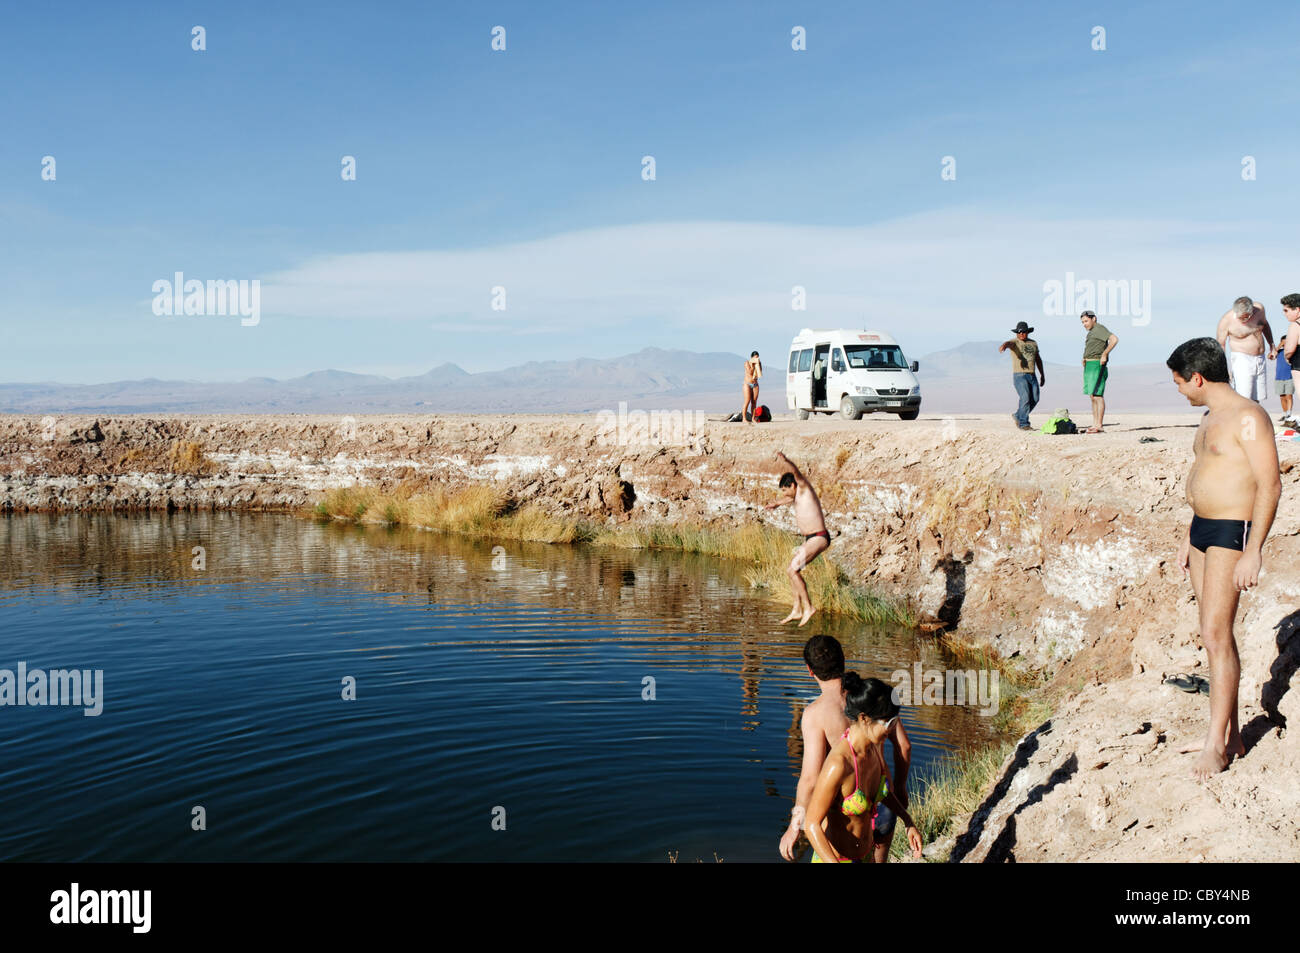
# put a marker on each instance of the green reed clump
(956, 788)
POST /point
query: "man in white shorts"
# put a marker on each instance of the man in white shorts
(1245, 335)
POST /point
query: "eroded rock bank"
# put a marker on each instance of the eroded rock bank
(1057, 549)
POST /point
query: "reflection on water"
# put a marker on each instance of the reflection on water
(487, 676)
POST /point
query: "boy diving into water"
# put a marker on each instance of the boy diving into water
(808, 518)
(1233, 488)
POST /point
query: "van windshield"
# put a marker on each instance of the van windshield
(883, 356)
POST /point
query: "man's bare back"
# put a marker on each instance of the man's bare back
(826, 715)
(1245, 335)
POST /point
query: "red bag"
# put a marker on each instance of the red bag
(762, 415)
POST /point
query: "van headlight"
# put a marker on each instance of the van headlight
(916, 390)
(865, 392)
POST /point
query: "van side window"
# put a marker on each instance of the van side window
(805, 360)
(837, 360)
(794, 361)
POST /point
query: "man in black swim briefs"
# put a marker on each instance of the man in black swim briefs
(808, 517)
(1233, 488)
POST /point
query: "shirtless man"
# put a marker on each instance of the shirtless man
(808, 518)
(753, 371)
(1233, 488)
(1243, 330)
(822, 724)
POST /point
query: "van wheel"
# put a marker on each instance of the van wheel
(801, 414)
(849, 410)
(910, 414)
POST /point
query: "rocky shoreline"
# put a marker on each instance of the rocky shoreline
(1056, 550)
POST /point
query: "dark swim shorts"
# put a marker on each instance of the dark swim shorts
(1229, 534)
(884, 821)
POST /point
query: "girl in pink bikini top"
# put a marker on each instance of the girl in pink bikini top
(870, 707)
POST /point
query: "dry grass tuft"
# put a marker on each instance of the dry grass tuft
(187, 457)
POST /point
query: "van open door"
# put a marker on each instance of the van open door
(799, 382)
(821, 368)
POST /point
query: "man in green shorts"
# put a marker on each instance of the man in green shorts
(1096, 352)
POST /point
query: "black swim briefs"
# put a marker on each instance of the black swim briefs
(1229, 534)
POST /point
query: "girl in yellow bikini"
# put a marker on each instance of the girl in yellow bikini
(841, 809)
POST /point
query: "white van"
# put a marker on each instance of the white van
(853, 372)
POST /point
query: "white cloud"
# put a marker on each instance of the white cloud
(947, 276)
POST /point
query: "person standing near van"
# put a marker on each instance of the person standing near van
(1096, 352)
(1024, 361)
(753, 371)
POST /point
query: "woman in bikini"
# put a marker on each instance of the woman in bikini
(841, 810)
(753, 371)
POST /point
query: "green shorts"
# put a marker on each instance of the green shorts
(1094, 378)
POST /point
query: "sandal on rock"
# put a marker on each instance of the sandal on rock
(1192, 684)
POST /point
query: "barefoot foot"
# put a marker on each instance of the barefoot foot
(1234, 749)
(806, 616)
(794, 614)
(1211, 762)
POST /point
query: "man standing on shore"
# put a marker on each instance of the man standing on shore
(1024, 360)
(1234, 488)
(1096, 352)
(1243, 331)
(1289, 346)
(822, 724)
(1283, 383)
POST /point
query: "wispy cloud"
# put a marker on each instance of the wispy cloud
(951, 275)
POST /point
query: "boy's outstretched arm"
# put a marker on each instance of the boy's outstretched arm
(789, 467)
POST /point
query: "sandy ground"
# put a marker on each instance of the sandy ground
(1057, 550)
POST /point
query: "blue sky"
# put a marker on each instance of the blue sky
(522, 169)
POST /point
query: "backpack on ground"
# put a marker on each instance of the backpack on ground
(1059, 423)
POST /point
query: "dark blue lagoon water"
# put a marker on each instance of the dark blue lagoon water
(490, 682)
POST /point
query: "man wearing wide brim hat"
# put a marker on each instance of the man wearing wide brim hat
(1024, 361)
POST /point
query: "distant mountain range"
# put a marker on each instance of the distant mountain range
(971, 378)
